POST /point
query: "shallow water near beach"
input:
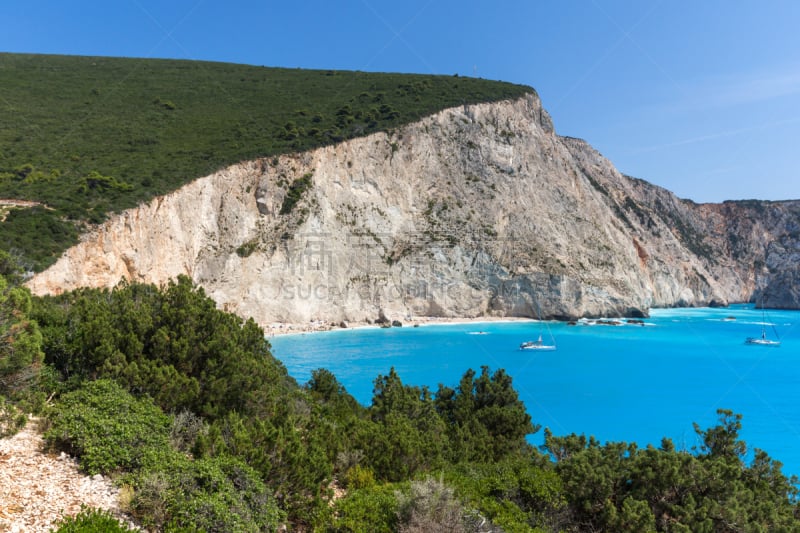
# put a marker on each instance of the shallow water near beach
(629, 382)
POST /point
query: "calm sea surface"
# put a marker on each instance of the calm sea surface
(619, 383)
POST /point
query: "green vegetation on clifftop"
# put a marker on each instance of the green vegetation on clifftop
(90, 135)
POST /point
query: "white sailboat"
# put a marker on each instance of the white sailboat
(763, 340)
(538, 344)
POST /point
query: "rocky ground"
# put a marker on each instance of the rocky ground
(37, 488)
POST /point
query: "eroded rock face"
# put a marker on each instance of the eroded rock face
(475, 211)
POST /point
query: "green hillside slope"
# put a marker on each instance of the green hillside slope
(86, 136)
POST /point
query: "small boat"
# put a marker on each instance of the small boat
(763, 340)
(539, 344)
(536, 345)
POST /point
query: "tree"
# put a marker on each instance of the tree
(20, 339)
(619, 487)
(722, 440)
(409, 436)
(486, 419)
(339, 421)
(326, 389)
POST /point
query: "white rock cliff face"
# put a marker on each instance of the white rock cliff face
(475, 211)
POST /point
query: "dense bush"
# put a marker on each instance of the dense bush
(38, 235)
(620, 487)
(106, 428)
(173, 344)
(367, 510)
(517, 494)
(285, 449)
(20, 337)
(420, 506)
(211, 367)
(111, 432)
(410, 435)
(220, 494)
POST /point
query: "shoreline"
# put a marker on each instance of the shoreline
(276, 329)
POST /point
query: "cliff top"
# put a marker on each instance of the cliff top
(87, 136)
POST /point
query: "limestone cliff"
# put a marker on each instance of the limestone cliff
(478, 210)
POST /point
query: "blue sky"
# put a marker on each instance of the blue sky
(700, 97)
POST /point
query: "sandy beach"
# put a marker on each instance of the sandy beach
(281, 328)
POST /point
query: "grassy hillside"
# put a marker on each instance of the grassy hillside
(86, 136)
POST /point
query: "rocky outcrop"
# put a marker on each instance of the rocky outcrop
(762, 240)
(481, 210)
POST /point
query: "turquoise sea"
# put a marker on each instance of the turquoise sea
(630, 382)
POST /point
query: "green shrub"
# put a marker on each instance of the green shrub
(486, 420)
(91, 520)
(287, 449)
(295, 193)
(186, 428)
(220, 494)
(515, 494)
(111, 431)
(106, 428)
(95, 181)
(20, 337)
(359, 477)
(368, 510)
(11, 419)
(246, 249)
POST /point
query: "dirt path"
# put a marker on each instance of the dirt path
(37, 488)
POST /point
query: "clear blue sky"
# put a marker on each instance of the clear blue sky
(699, 96)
